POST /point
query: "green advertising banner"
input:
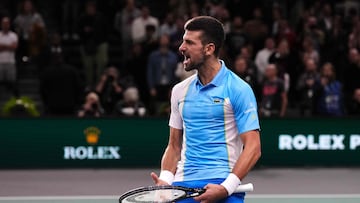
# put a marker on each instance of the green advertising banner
(102, 143)
(311, 142)
(82, 143)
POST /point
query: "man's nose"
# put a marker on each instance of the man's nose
(182, 48)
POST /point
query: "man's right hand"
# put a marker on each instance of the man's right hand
(157, 180)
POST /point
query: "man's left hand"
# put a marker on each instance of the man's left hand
(213, 194)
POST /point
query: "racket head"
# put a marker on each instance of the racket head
(159, 194)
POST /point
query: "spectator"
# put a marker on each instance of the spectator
(136, 66)
(326, 19)
(70, 12)
(307, 86)
(354, 104)
(8, 45)
(91, 107)
(138, 28)
(26, 19)
(161, 68)
(312, 31)
(94, 47)
(177, 37)
(330, 102)
(262, 58)
(283, 60)
(277, 16)
(309, 50)
(131, 105)
(61, 87)
(274, 97)
(236, 39)
(246, 53)
(109, 89)
(241, 69)
(24, 23)
(286, 32)
(335, 46)
(37, 44)
(123, 22)
(352, 73)
(256, 29)
(168, 27)
(354, 36)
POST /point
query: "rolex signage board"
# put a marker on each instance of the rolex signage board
(310, 142)
(104, 143)
(96, 143)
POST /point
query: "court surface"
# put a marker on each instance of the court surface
(304, 185)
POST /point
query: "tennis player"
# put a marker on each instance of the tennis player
(214, 128)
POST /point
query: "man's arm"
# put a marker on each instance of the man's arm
(11, 47)
(170, 158)
(250, 154)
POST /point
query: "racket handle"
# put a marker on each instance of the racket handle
(249, 187)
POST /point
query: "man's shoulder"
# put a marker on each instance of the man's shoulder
(235, 82)
(185, 83)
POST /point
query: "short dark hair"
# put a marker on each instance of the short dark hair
(212, 30)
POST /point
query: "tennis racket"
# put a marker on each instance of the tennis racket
(168, 193)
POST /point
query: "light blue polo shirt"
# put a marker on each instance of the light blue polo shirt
(212, 118)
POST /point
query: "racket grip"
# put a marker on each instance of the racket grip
(249, 187)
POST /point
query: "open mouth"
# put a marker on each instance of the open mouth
(186, 59)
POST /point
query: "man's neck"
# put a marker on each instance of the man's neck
(208, 71)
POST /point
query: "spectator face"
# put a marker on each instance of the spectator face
(92, 98)
(180, 23)
(353, 55)
(169, 18)
(112, 71)
(269, 43)
(328, 71)
(245, 53)
(237, 22)
(164, 41)
(310, 65)
(327, 10)
(130, 4)
(5, 24)
(91, 8)
(257, 13)
(28, 7)
(270, 71)
(357, 95)
(283, 47)
(145, 12)
(240, 65)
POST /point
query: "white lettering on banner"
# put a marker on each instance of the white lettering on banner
(354, 142)
(308, 142)
(89, 152)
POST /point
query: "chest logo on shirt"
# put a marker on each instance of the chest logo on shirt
(218, 100)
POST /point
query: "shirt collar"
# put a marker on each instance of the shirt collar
(217, 80)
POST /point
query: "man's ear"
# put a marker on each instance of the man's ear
(209, 49)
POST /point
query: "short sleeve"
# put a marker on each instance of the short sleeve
(245, 109)
(175, 120)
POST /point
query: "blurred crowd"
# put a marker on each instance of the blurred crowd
(301, 57)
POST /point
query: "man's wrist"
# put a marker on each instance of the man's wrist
(167, 176)
(231, 183)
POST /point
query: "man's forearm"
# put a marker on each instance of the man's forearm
(170, 159)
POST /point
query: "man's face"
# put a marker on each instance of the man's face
(193, 50)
